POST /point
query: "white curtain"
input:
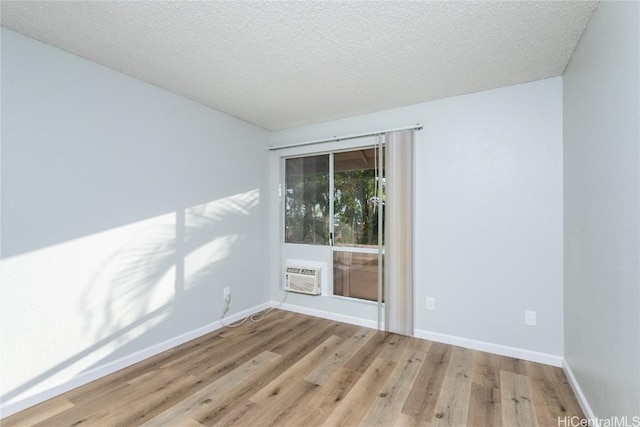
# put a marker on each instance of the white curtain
(398, 233)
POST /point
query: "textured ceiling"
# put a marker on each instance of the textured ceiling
(286, 64)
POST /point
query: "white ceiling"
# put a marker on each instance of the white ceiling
(287, 64)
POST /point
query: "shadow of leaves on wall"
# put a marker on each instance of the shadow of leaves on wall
(158, 284)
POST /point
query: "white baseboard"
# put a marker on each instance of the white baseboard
(13, 406)
(547, 359)
(519, 353)
(582, 400)
(326, 315)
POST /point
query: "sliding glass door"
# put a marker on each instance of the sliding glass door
(356, 231)
(337, 200)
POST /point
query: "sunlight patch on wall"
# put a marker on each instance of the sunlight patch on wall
(238, 204)
(203, 260)
(68, 296)
(79, 304)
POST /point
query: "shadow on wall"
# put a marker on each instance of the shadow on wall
(142, 284)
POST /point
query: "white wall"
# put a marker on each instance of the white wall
(602, 211)
(125, 211)
(488, 212)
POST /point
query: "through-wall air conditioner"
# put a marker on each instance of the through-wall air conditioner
(302, 280)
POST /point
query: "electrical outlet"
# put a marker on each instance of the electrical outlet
(227, 293)
(530, 318)
(431, 303)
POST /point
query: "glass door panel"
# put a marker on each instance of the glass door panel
(355, 206)
(356, 223)
(355, 275)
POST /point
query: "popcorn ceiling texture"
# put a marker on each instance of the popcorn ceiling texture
(286, 64)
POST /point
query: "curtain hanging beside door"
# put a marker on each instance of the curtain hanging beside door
(398, 232)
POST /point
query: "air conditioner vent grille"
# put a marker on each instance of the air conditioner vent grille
(302, 280)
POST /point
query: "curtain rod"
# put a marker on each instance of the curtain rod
(417, 126)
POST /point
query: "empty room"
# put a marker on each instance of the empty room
(301, 213)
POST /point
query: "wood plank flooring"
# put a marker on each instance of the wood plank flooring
(296, 370)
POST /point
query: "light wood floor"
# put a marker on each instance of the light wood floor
(298, 370)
